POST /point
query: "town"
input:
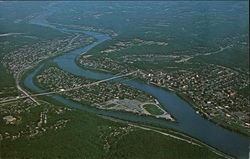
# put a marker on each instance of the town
(29, 56)
(106, 95)
(124, 80)
(213, 90)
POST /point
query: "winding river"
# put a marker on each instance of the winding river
(189, 122)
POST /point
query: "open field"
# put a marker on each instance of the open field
(153, 109)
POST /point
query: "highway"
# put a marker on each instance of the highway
(25, 92)
(63, 90)
(22, 90)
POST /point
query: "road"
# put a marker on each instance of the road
(55, 92)
(27, 95)
(25, 92)
(22, 90)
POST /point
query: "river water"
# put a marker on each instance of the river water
(189, 122)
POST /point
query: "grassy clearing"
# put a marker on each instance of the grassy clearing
(153, 109)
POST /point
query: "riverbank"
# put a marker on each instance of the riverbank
(48, 99)
(239, 131)
(191, 123)
(173, 133)
(185, 98)
(92, 143)
(152, 125)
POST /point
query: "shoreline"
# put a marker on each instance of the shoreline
(76, 63)
(179, 94)
(49, 99)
